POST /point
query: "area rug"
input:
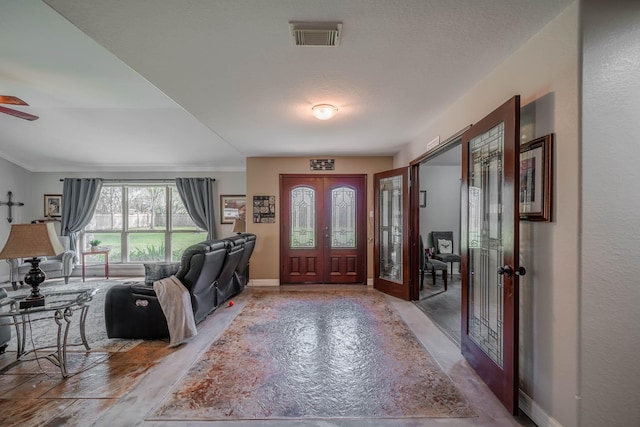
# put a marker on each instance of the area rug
(43, 332)
(308, 354)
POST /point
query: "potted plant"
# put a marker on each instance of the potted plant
(94, 244)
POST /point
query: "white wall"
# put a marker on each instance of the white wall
(17, 180)
(544, 70)
(610, 274)
(443, 203)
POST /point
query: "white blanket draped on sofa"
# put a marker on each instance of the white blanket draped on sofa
(176, 305)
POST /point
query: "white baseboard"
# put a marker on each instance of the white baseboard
(370, 282)
(535, 412)
(264, 282)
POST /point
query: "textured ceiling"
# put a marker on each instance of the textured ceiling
(200, 84)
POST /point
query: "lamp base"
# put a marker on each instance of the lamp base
(34, 278)
(32, 302)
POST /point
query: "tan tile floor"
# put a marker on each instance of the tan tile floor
(119, 389)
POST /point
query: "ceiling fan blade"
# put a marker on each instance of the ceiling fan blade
(5, 99)
(17, 113)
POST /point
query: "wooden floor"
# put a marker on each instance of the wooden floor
(120, 389)
(33, 392)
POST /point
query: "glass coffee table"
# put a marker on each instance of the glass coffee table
(59, 308)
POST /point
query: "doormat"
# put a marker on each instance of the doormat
(306, 354)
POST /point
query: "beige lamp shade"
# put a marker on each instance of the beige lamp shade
(31, 240)
(239, 225)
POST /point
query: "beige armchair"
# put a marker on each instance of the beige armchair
(54, 266)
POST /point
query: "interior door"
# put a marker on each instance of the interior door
(323, 229)
(391, 233)
(489, 241)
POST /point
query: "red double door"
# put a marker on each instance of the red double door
(323, 229)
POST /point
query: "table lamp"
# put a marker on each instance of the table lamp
(32, 240)
(239, 225)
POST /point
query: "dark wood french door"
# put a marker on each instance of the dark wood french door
(391, 233)
(323, 229)
(489, 245)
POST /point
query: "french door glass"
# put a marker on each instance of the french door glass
(391, 229)
(343, 217)
(490, 235)
(303, 217)
(486, 242)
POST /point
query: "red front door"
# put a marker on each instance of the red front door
(323, 229)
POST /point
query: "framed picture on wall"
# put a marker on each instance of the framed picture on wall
(423, 198)
(232, 207)
(53, 205)
(535, 179)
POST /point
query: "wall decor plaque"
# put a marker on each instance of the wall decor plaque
(264, 209)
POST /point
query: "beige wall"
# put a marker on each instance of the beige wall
(544, 72)
(263, 179)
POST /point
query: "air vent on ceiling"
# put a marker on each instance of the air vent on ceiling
(316, 33)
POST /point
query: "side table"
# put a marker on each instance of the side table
(59, 309)
(104, 252)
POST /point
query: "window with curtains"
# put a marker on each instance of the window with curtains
(142, 223)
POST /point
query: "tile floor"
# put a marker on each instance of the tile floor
(119, 389)
(443, 307)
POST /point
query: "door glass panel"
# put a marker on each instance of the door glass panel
(391, 229)
(485, 242)
(343, 217)
(303, 217)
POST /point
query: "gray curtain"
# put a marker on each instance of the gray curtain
(79, 199)
(197, 196)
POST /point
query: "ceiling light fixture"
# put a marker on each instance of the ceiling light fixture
(324, 111)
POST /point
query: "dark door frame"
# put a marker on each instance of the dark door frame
(414, 216)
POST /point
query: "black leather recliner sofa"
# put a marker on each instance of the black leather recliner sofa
(241, 276)
(224, 285)
(207, 270)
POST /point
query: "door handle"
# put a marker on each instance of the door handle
(508, 271)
